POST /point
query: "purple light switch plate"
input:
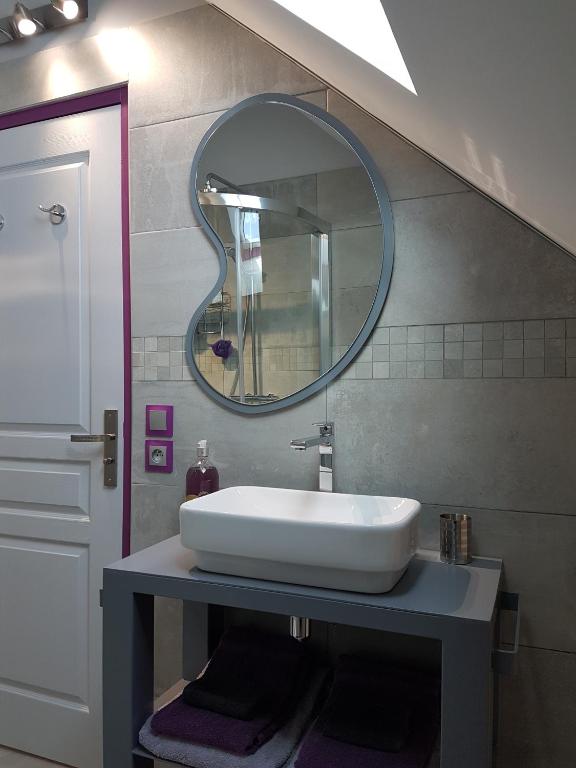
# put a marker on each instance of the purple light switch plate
(159, 455)
(160, 420)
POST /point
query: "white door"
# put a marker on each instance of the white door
(61, 366)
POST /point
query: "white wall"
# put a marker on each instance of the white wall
(102, 15)
(495, 91)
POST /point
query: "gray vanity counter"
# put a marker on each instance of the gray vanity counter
(456, 605)
(467, 592)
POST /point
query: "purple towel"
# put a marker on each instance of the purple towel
(418, 690)
(273, 754)
(180, 720)
(200, 726)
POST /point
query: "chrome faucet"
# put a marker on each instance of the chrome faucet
(325, 441)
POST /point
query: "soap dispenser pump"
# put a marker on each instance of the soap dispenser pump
(202, 478)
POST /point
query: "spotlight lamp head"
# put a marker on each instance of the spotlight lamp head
(68, 8)
(23, 21)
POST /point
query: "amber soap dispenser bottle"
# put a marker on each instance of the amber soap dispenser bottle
(202, 478)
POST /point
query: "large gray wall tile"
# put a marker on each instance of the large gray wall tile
(201, 61)
(161, 160)
(57, 73)
(172, 272)
(539, 563)
(350, 308)
(460, 258)
(346, 198)
(406, 171)
(356, 256)
(461, 442)
(247, 450)
(537, 711)
(155, 512)
(167, 643)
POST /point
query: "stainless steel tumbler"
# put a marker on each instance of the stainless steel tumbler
(455, 538)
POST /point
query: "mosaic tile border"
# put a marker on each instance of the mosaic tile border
(159, 358)
(507, 349)
(495, 349)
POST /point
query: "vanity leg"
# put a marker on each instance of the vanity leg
(467, 703)
(128, 671)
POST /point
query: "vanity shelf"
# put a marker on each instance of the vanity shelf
(456, 605)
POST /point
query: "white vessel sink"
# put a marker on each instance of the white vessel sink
(334, 540)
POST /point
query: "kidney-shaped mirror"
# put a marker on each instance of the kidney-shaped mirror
(301, 220)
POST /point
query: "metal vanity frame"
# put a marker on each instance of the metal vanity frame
(456, 605)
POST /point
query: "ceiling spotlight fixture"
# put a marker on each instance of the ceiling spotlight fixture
(23, 20)
(29, 20)
(68, 8)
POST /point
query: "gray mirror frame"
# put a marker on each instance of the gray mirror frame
(385, 274)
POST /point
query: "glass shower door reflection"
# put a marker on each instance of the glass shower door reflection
(278, 281)
(289, 342)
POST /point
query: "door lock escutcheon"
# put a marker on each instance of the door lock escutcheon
(110, 440)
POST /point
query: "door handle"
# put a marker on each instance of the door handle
(110, 440)
(91, 438)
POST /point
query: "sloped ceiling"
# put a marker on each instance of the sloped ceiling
(495, 91)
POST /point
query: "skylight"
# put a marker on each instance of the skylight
(361, 26)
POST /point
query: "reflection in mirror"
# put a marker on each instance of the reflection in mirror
(299, 220)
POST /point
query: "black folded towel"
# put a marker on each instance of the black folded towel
(367, 723)
(372, 705)
(250, 673)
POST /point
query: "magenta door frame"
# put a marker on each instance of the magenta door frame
(73, 106)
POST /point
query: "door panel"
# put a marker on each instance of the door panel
(47, 488)
(61, 366)
(54, 662)
(45, 352)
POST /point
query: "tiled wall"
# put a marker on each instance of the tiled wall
(478, 301)
(510, 349)
(501, 448)
(159, 358)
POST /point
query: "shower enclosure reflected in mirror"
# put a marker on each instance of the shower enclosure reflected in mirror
(302, 223)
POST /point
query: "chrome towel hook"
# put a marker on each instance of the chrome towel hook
(2, 222)
(56, 212)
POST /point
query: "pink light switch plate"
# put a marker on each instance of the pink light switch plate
(160, 413)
